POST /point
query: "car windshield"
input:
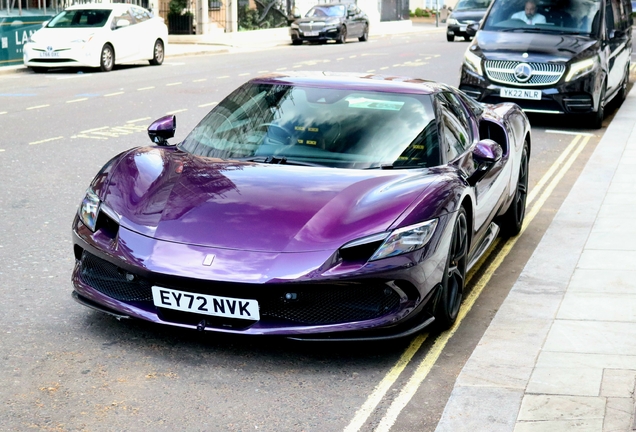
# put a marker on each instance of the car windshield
(545, 16)
(319, 126)
(472, 4)
(80, 18)
(326, 11)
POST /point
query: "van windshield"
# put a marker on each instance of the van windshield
(545, 16)
(472, 4)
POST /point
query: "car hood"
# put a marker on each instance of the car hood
(537, 47)
(173, 196)
(468, 15)
(62, 35)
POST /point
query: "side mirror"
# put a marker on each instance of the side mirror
(162, 129)
(485, 155)
(122, 23)
(471, 29)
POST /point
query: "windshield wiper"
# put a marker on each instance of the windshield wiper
(276, 161)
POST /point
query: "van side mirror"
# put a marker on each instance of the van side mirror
(471, 29)
(162, 129)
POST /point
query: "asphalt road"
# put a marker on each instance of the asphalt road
(65, 367)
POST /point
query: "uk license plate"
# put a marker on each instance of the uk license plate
(520, 94)
(311, 33)
(205, 304)
(462, 28)
(49, 54)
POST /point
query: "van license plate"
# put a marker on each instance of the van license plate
(520, 94)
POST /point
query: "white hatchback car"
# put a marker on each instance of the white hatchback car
(97, 35)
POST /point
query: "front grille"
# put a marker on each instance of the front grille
(109, 279)
(52, 60)
(306, 27)
(543, 74)
(301, 303)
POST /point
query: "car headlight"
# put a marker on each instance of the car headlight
(581, 68)
(294, 26)
(406, 240)
(89, 209)
(83, 40)
(452, 21)
(473, 62)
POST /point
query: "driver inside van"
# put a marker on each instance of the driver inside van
(529, 15)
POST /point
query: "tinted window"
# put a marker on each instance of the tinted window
(560, 17)
(455, 125)
(472, 4)
(126, 16)
(326, 11)
(140, 14)
(338, 128)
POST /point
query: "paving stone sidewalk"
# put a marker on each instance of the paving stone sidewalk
(560, 354)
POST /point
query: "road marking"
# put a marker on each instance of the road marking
(96, 129)
(281, 69)
(176, 111)
(77, 100)
(431, 357)
(371, 71)
(145, 88)
(261, 72)
(3, 112)
(427, 363)
(200, 80)
(384, 68)
(223, 77)
(553, 131)
(244, 74)
(297, 66)
(353, 56)
(38, 106)
(208, 104)
(381, 389)
(113, 94)
(340, 58)
(1, 150)
(173, 84)
(46, 140)
(138, 120)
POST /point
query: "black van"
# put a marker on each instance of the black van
(551, 56)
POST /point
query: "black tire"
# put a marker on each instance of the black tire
(466, 38)
(450, 37)
(365, 34)
(343, 36)
(297, 41)
(107, 58)
(511, 222)
(596, 119)
(158, 53)
(39, 69)
(451, 292)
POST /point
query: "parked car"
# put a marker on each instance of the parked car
(574, 58)
(333, 21)
(97, 35)
(466, 12)
(307, 205)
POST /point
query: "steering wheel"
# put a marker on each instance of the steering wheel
(276, 134)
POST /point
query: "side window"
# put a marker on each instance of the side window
(455, 127)
(124, 16)
(140, 14)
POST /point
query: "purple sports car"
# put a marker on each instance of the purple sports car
(311, 205)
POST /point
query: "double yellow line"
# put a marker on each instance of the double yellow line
(541, 192)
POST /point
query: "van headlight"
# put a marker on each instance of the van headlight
(581, 68)
(473, 62)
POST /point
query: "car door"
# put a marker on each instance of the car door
(124, 38)
(617, 43)
(458, 138)
(353, 23)
(146, 31)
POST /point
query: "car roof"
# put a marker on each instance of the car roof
(358, 81)
(93, 6)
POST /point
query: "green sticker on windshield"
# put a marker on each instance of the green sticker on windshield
(378, 104)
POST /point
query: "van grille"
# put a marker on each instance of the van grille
(503, 71)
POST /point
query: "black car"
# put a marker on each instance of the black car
(573, 59)
(333, 21)
(466, 12)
